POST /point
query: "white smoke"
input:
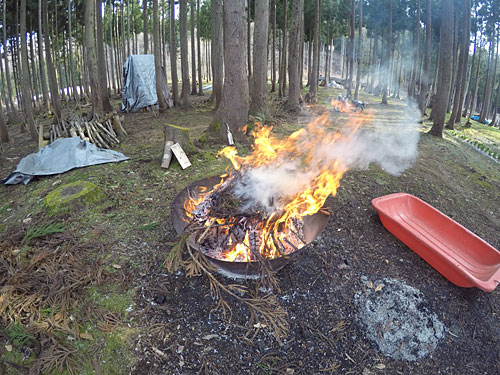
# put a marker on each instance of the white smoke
(389, 141)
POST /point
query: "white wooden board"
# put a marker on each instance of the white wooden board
(180, 155)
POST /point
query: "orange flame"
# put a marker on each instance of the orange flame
(304, 146)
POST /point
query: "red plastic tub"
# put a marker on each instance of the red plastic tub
(457, 253)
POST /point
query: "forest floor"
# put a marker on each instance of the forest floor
(94, 297)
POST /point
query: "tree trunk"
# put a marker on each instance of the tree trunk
(26, 86)
(54, 90)
(259, 85)
(249, 47)
(358, 54)
(15, 114)
(293, 104)
(416, 46)
(233, 110)
(193, 51)
(490, 77)
(92, 67)
(34, 72)
(476, 84)
(173, 54)
(469, 81)
(162, 102)
(217, 52)
(445, 69)
(385, 85)
(282, 79)
(4, 131)
(198, 28)
(350, 51)
(186, 102)
(71, 65)
(145, 25)
(313, 88)
(101, 62)
(273, 51)
(462, 69)
(424, 90)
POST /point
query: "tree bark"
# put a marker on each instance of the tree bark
(385, 85)
(26, 86)
(233, 110)
(416, 46)
(173, 54)
(217, 51)
(54, 90)
(249, 47)
(186, 102)
(198, 28)
(194, 90)
(90, 44)
(490, 77)
(259, 86)
(282, 78)
(162, 102)
(445, 69)
(358, 54)
(101, 62)
(4, 131)
(15, 114)
(145, 26)
(273, 53)
(350, 51)
(293, 104)
(462, 69)
(313, 87)
(424, 90)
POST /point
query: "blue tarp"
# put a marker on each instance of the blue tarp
(139, 83)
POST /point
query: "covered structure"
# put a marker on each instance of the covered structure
(139, 84)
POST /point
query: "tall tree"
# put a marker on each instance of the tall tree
(445, 68)
(198, 30)
(462, 68)
(43, 81)
(259, 86)
(233, 110)
(173, 54)
(217, 52)
(358, 54)
(15, 113)
(186, 101)
(51, 72)
(71, 65)
(162, 102)
(293, 104)
(350, 51)
(90, 44)
(101, 59)
(194, 90)
(313, 86)
(145, 25)
(25, 77)
(416, 46)
(273, 50)
(387, 77)
(282, 78)
(424, 90)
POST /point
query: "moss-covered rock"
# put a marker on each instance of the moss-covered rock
(73, 196)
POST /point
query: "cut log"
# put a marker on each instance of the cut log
(180, 135)
(167, 154)
(117, 125)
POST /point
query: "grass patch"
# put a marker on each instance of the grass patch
(42, 231)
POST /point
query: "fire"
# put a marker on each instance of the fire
(308, 148)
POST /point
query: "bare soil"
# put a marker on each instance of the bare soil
(177, 329)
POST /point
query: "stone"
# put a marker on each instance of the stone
(72, 197)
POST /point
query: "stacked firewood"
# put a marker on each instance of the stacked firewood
(102, 132)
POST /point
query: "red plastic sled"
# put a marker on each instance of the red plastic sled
(457, 253)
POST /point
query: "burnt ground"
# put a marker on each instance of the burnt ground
(176, 326)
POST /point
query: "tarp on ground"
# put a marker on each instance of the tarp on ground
(61, 156)
(139, 83)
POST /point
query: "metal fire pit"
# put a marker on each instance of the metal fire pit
(313, 226)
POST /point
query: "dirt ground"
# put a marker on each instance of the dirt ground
(173, 326)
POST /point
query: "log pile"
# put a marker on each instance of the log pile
(102, 132)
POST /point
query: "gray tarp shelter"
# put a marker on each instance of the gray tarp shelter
(139, 83)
